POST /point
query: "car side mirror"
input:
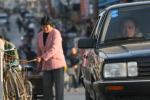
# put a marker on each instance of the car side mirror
(86, 43)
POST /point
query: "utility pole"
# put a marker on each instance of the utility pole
(49, 7)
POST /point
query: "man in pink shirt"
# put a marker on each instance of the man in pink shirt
(51, 60)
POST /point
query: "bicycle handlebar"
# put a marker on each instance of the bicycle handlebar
(28, 61)
(10, 49)
(25, 61)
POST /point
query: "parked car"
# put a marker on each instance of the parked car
(4, 20)
(116, 66)
(28, 16)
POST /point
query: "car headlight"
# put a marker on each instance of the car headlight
(115, 70)
(132, 69)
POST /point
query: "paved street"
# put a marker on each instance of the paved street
(75, 95)
(15, 37)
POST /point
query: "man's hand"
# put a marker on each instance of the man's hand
(39, 59)
(75, 66)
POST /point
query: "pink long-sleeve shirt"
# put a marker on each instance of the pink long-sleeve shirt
(52, 52)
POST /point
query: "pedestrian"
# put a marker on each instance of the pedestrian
(51, 60)
(73, 68)
(19, 22)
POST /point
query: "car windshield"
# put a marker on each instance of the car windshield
(127, 23)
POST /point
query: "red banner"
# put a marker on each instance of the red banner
(84, 9)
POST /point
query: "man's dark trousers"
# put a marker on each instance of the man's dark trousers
(53, 78)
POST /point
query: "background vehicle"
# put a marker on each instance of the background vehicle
(3, 18)
(4, 21)
(117, 67)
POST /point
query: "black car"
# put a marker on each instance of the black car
(117, 66)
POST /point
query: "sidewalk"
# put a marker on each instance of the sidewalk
(80, 95)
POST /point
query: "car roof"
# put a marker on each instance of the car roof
(125, 5)
(128, 4)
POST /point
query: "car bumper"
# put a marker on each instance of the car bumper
(132, 87)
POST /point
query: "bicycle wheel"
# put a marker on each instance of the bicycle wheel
(10, 88)
(28, 86)
(21, 86)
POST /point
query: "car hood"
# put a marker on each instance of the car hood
(124, 51)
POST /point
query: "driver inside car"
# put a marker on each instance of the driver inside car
(129, 28)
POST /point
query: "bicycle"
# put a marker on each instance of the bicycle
(15, 85)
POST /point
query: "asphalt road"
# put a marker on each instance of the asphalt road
(75, 95)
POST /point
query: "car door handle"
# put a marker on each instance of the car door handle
(96, 52)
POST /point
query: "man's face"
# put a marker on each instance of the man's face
(130, 28)
(46, 28)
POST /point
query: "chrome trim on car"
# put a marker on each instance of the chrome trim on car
(121, 81)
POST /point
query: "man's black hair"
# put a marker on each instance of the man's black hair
(123, 20)
(45, 20)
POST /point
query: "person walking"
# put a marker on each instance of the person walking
(51, 60)
(19, 22)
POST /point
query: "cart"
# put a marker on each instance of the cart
(37, 83)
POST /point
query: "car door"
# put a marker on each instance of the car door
(90, 57)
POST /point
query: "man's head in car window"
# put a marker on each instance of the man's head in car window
(129, 27)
